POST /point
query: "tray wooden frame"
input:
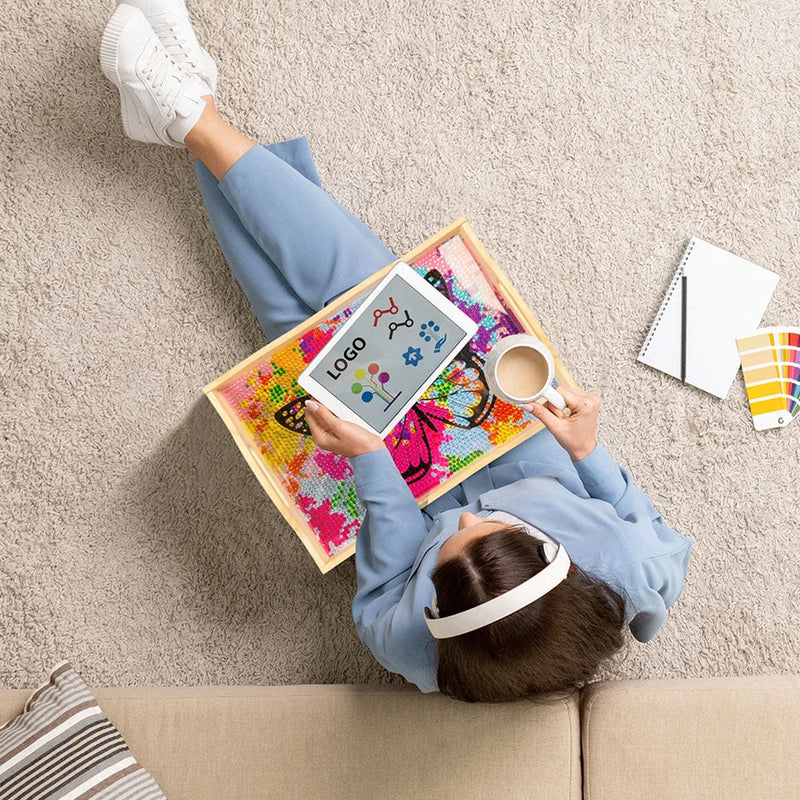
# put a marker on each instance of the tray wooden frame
(278, 494)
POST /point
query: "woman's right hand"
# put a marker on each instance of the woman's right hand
(577, 433)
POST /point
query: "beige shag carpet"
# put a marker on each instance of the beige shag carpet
(584, 141)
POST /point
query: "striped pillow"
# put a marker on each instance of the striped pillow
(63, 746)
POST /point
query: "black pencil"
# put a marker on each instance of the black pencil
(683, 327)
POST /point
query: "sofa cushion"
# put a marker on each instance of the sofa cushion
(701, 738)
(348, 742)
(63, 746)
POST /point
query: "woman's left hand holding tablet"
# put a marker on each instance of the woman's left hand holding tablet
(337, 435)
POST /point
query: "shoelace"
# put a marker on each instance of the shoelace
(176, 45)
(160, 73)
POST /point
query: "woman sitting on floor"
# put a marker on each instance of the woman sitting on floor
(517, 582)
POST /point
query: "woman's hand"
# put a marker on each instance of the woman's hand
(337, 435)
(577, 433)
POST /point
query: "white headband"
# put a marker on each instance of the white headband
(558, 563)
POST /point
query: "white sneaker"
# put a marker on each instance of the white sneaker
(169, 19)
(160, 103)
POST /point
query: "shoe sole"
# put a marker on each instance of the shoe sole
(135, 122)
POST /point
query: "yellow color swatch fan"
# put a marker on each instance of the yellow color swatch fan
(771, 368)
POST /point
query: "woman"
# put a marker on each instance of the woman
(518, 581)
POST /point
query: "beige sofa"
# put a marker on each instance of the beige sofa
(643, 740)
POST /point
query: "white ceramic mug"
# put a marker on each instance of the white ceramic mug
(506, 345)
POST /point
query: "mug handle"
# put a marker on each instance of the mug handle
(553, 396)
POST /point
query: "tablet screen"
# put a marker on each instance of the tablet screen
(389, 353)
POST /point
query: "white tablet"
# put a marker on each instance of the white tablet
(389, 352)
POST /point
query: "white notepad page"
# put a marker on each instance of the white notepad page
(726, 298)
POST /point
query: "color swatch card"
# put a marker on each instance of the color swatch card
(771, 367)
(714, 297)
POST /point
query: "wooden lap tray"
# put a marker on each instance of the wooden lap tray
(456, 428)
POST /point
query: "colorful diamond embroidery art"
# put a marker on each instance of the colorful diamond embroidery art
(455, 422)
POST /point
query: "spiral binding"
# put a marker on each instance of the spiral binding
(675, 281)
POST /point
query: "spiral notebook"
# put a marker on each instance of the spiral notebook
(714, 298)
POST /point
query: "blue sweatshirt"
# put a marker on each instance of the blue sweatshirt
(608, 526)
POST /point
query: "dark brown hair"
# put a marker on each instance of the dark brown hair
(554, 644)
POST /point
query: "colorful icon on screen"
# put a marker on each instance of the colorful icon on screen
(393, 326)
(412, 356)
(376, 381)
(379, 312)
(428, 331)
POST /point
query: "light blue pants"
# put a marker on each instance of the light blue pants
(290, 245)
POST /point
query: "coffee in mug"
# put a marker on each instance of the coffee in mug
(520, 369)
(522, 372)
